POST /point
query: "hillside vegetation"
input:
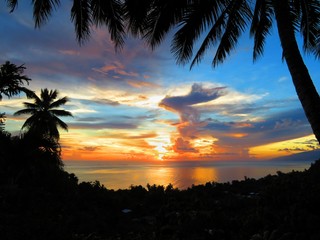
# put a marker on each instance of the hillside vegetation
(48, 203)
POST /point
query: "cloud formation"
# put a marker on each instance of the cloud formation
(183, 105)
(119, 99)
(189, 115)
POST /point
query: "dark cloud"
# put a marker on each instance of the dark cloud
(240, 109)
(183, 104)
(277, 127)
(310, 142)
(90, 119)
(102, 101)
(90, 149)
(112, 122)
(307, 145)
(150, 115)
(296, 149)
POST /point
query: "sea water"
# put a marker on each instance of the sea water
(123, 174)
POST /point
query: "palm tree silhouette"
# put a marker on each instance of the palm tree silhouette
(44, 120)
(12, 80)
(223, 22)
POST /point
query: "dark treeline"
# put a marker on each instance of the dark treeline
(39, 200)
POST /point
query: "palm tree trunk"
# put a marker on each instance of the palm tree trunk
(301, 78)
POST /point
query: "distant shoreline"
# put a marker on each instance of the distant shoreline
(123, 174)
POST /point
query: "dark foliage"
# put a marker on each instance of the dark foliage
(45, 202)
(13, 80)
(28, 161)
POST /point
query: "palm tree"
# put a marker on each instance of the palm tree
(12, 80)
(223, 21)
(44, 122)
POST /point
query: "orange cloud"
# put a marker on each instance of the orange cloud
(117, 68)
(140, 84)
(183, 146)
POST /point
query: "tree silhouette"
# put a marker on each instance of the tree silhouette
(44, 120)
(12, 80)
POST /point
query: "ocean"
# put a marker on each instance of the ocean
(123, 174)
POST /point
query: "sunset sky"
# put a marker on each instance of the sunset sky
(140, 105)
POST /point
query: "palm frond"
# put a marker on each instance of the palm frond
(238, 16)
(30, 122)
(24, 111)
(211, 38)
(295, 11)
(12, 4)
(109, 13)
(61, 113)
(61, 124)
(164, 15)
(29, 93)
(31, 105)
(135, 14)
(196, 20)
(53, 94)
(261, 25)
(37, 100)
(310, 26)
(59, 102)
(81, 17)
(42, 10)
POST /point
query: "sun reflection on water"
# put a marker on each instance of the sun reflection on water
(202, 175)
(160, 176)
(181, 175)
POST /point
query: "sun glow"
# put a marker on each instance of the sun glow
(161, 151)
(161, 145)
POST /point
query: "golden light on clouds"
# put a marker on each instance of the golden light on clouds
(284, 148)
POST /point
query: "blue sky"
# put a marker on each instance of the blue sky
(138, 104)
